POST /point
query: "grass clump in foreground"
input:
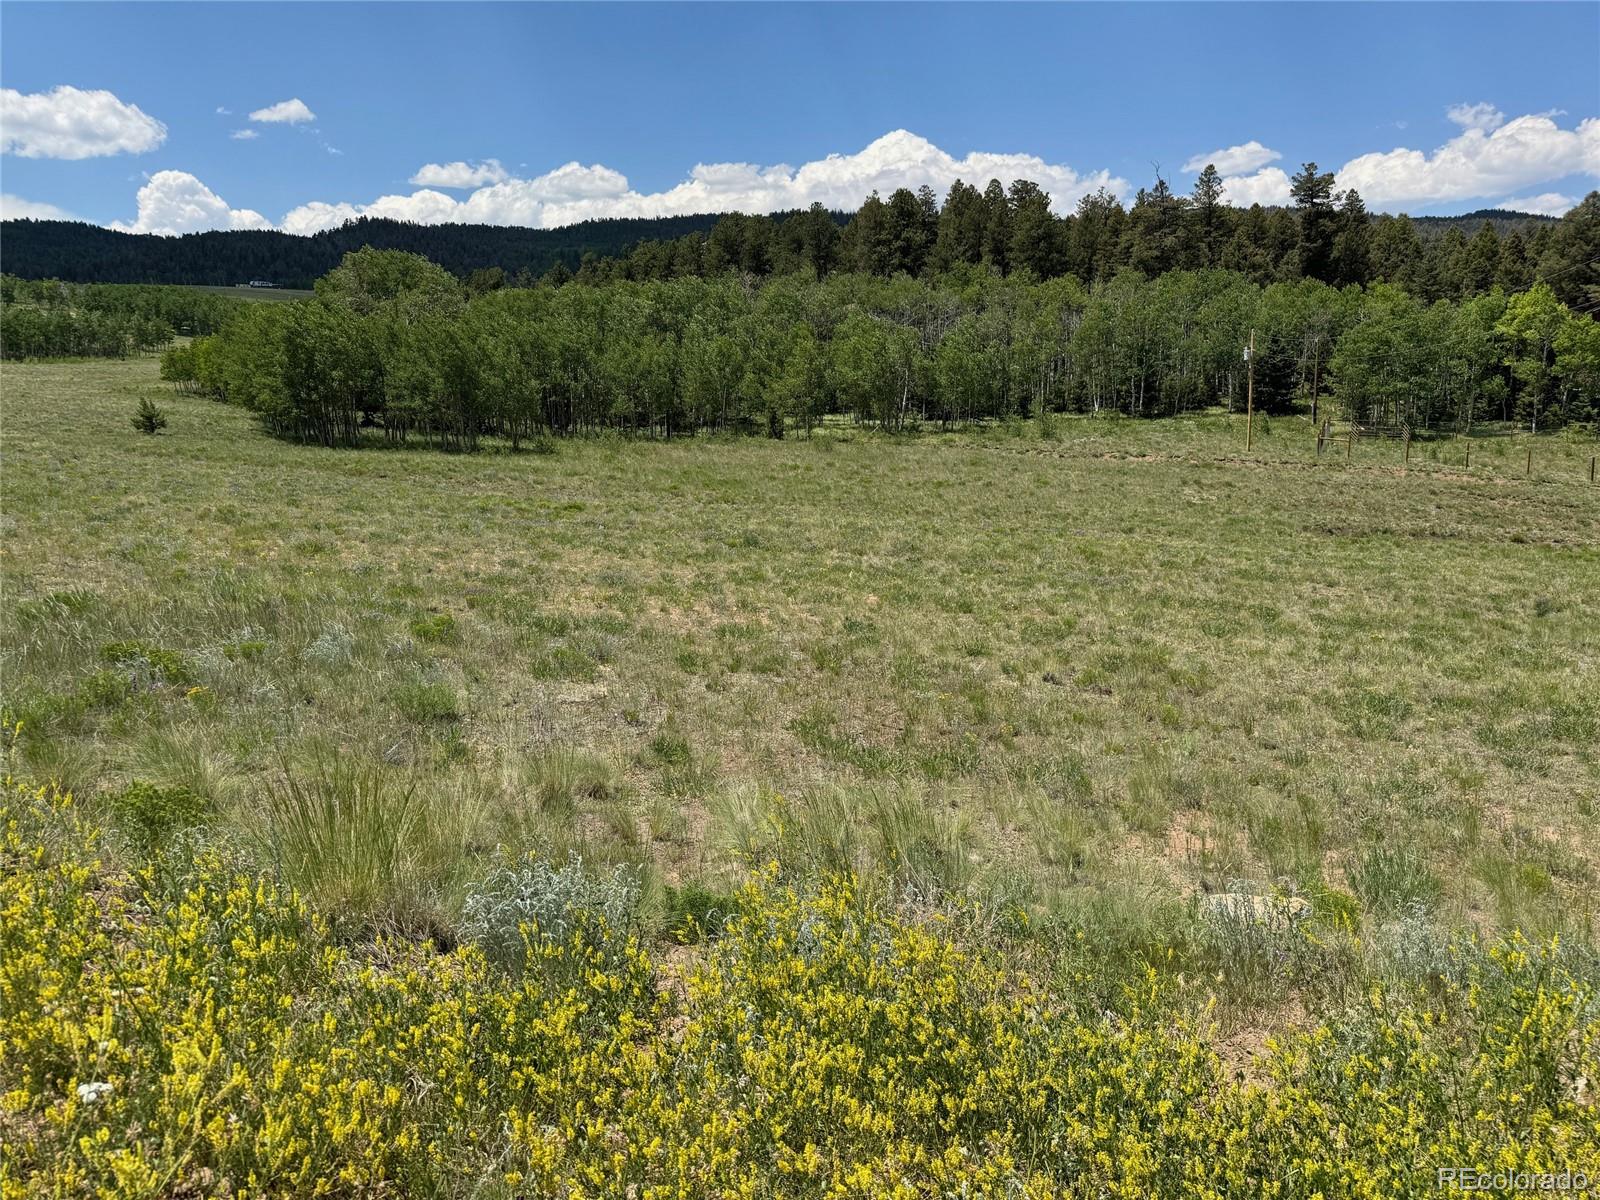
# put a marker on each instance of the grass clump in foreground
(189, 1027)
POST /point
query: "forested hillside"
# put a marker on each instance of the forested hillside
(1504, 221)
(83, 253)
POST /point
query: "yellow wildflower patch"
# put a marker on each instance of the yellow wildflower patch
(192, 1029)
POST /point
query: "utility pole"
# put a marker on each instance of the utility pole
(1250, 392)
(1316, 376)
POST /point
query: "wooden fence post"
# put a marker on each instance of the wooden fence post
(1349, 441)
(1408, 445)
(1591, 468)
(1527, 471)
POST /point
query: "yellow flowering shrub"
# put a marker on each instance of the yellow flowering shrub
(162, 1034)
(190, 1029)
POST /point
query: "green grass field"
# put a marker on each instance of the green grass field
(1091, 670)
(247, 293)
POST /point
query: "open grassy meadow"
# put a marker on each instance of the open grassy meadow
(1095, 671)
(1049, 686)
(253, 294)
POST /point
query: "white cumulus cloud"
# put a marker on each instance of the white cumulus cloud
(1268, 186)
(67, 122)
(1490, 156)
(285, 112)
(1478, 162)
(460, 174)
(576, 192)
(1235, 160)
(174, 202)
(1481, 115)
(1548, 204)
(15, 208)
(244, 135)
(317, 216)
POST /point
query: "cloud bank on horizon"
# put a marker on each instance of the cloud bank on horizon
(15, 208)
(575, 192)
(1492, 159)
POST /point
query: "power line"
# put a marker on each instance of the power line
(1573, 267)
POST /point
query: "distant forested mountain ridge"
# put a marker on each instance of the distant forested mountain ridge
(1504, 220)
(82, 253)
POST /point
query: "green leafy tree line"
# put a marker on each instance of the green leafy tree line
(51, 319)
(27, 332)
(393, 343)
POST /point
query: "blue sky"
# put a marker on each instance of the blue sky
(140, 114)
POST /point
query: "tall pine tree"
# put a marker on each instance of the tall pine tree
(1312, 191)
(1209, 217)
(1352, 257)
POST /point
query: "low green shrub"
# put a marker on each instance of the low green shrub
(149, 815)
(434, 628)
(691, 912)
(150, 418)
(423, 701)
(142, 658)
